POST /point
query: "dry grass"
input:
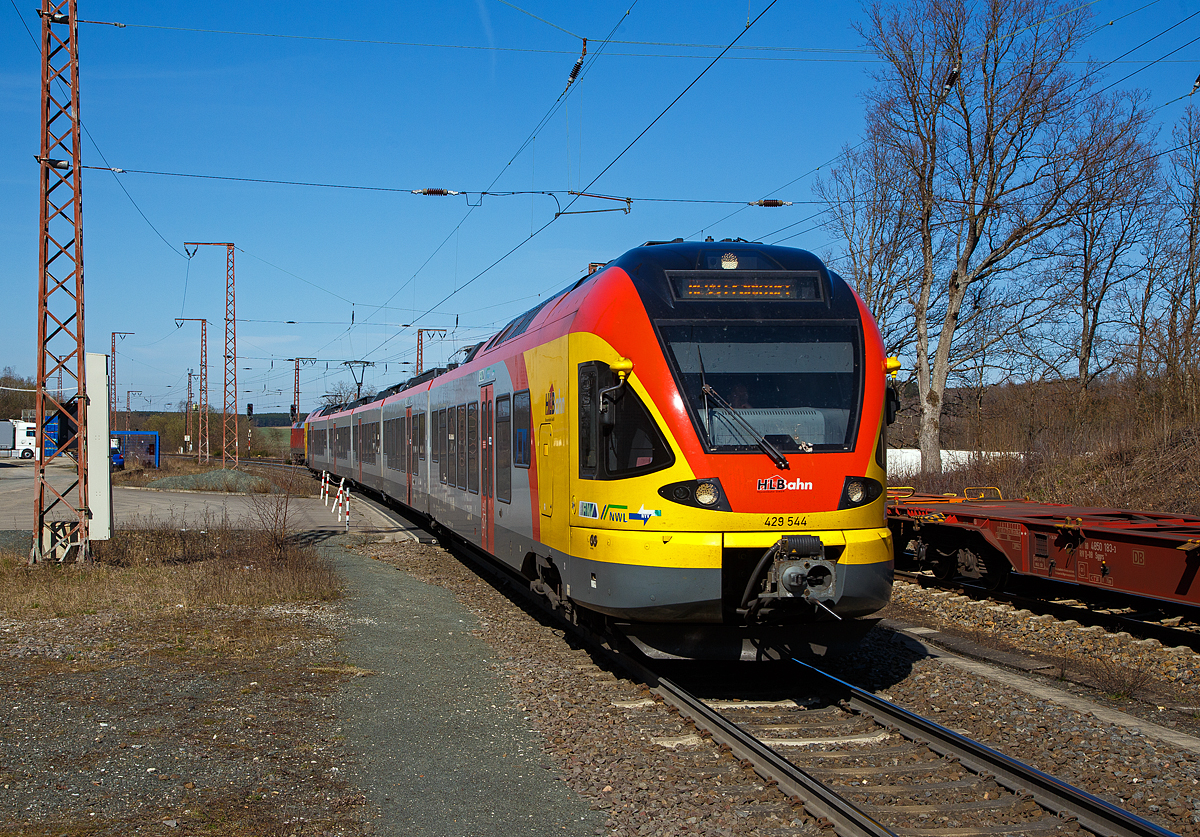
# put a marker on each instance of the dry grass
(169, 466)
(213, 614)
(1153, 473)
(1130, 444)
(1119, 679)
(161, 569)
(248, 477)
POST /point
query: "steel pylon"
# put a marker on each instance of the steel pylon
(61, 515)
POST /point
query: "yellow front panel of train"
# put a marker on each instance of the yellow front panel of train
(653, 549)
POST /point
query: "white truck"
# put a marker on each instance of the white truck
(18, 438)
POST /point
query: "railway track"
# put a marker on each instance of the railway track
(1142, 619)
(858, 763)
(869, 767)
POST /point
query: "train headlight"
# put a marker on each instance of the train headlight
(703, 493)
(855, 491)
(858, 491)
(707, 494)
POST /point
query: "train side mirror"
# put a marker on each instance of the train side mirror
(609, 395)
(891, 405)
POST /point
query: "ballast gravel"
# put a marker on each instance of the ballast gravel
(109, 730)
(1127, 765)
(617, 746)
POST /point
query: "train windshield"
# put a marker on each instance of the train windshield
(796, 385)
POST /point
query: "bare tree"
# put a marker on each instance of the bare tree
(1182, 343)
(343, 392)
(1145, 303)
(976, 102)
(16, 393)
(866, 195)
(1102, 245)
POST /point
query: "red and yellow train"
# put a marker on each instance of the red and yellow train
(692, 434)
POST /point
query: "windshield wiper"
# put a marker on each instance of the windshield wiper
(767, 448)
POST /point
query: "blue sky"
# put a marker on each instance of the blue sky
(158, 97)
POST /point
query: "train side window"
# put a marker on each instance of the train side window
(393, 444)
(522, 433)
(452, 441)
(462, 446)
(503, 450)
(400, 452)
(415, 444)
(633, 444)
(443, 462)
(435, 447)
(473, 448)
(389, 443)
(588, 422)
(421, 436)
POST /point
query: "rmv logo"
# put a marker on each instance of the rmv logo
(780, 484)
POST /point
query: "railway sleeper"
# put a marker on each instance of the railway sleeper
(882, 770)
(1004, 801)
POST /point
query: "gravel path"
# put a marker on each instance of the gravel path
(439, 746)
(623, 750)
(125, 726)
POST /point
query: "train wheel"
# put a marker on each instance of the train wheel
(996, 571)
(985, 565)
(943, 563)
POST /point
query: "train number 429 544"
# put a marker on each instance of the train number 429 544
(788, 520)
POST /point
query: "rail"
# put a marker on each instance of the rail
(1064, 799)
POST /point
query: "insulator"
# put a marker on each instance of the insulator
(575, 70)
(431, 191)
(771, 202)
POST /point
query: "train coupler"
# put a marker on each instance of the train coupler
(792, 568)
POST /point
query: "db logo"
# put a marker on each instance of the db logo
(780, 484)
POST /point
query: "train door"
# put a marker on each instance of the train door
(410, 455)
(358, 448)
(486, 494)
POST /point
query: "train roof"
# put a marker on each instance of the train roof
(693, 279)
(737, 279)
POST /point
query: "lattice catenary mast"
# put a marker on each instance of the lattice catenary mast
(129, 393)
(112, 376)
(421, 332)
(296, 388)
(202, 445)
(229, 434)
(187, 414)
(61, 515)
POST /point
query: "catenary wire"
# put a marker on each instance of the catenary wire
(593, 181)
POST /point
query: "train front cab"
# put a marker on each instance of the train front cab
(646, 548)
(672, 509)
